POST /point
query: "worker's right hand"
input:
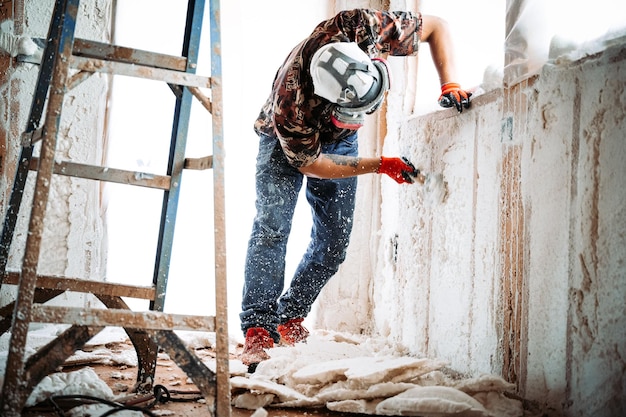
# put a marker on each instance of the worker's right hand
(401, 170)
(453, 96)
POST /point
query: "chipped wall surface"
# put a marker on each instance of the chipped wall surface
(522, 270)
(73, 242)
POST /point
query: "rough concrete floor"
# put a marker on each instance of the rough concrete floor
(122, 378)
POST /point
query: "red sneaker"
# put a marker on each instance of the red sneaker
(257, 340)
(292, 332)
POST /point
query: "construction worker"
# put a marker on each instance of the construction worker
(308, 128)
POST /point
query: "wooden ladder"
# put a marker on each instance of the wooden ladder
(148, 330)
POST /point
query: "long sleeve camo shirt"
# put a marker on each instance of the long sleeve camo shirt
(300, 119)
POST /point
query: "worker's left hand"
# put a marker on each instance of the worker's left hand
(453, 96)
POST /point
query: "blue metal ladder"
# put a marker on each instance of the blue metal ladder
(147, 330)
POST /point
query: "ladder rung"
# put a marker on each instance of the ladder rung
(85, 286)
(93, 172)
(92, 49)
(120, 318)
(105, 51)
(133, 70)
(205, 162)
(204, 100)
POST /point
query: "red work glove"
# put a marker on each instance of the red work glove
(453, 96)
(400, 170)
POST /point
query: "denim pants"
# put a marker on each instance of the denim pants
(278, 184)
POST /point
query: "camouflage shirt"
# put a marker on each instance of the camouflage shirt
(300, 119)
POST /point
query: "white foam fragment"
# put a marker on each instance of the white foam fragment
(108, 335)
(275, 369)
(101, 356)
(125, 357)
(282, 392)
(394, 369)
(499, 405)
(303, 403)
(286, 361)
(260, 412)
(362, 372)
(235, 367)
(196, 340)
(354, 406)
(162, 412)
(342, 391)
(253, 401)
(330, 371)
(484, 382)
(430, 402)
(85, 381)
(327, 346)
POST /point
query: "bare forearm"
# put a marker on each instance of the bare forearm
(340, 166)
(436, 33)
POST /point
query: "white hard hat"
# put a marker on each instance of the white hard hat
(343, 74)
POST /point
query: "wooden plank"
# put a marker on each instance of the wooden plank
(85, 286)
(96, 317)
(205, 162)
(99, 173)
(139, 71)
(204, 100)
(223, 394)
(108, 52)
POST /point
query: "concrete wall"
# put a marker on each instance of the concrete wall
(522, 270)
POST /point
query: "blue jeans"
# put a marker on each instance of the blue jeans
(332, 206)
